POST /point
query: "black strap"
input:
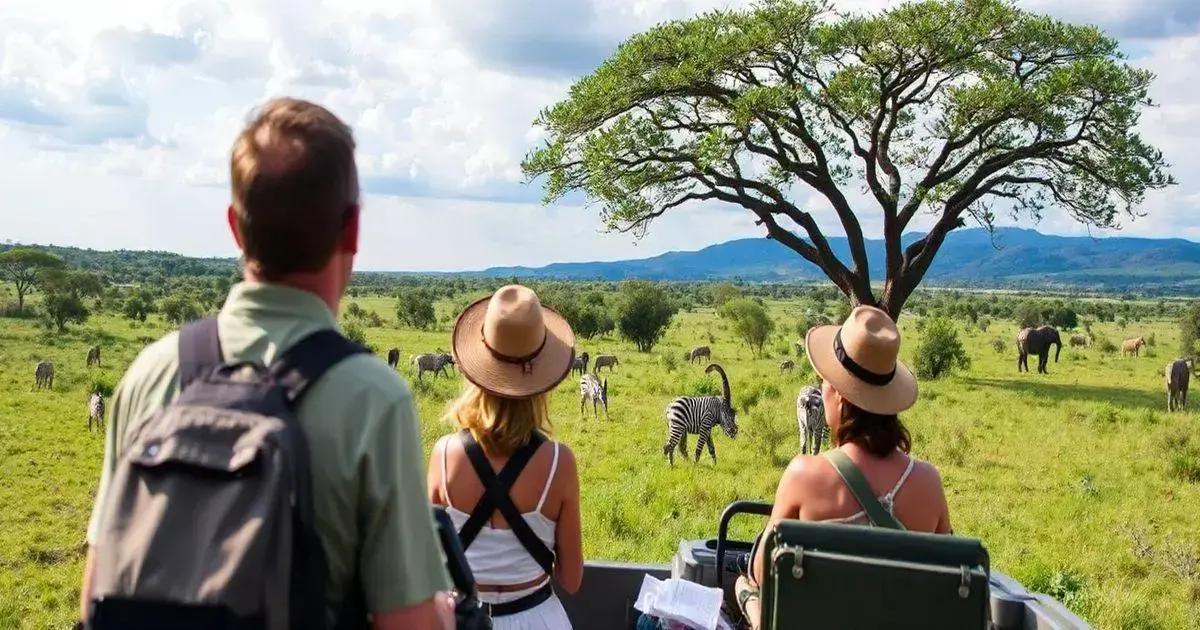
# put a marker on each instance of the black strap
(520, 604)
(496, 497)
(302, 364)
(863, 374)
(199, 350)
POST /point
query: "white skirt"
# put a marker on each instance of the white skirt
(548, 615)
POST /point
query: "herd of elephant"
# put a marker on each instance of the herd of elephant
(1037, 341)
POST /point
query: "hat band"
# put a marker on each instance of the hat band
(863, 374)
(526, 362)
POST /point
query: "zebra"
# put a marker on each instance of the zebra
(698, 414)
(580, 364)
(787, 366)
(96, 411)
(393, 358)
(93, 356)
(590, 388)
(43, 375)
(810, 415)
(700, 352)
(431, 362)
(605, 360)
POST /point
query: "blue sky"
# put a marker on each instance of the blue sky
(116, 118)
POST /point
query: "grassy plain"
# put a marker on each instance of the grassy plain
(1067, 477)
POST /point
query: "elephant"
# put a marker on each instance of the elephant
(1037, 341)
(1178, 374)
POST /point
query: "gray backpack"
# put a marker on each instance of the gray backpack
(208, 519)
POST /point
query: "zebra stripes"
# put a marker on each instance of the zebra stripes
(590, 388)
(810, 415)
(96, 411)
(697, 415)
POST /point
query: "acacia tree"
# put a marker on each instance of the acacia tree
(24, 267)
(956, 108)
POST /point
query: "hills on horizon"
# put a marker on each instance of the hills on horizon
(973, 257)
(1012, 258)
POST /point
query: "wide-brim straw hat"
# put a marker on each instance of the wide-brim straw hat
(511, 346)
(860, 359)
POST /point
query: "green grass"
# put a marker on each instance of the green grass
(1054, 472)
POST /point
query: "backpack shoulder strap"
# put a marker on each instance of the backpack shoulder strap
(858, 486)
(496, 497)
(308, 359)
(199, 350)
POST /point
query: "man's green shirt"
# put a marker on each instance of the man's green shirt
(366, 460)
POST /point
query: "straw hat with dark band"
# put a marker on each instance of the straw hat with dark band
(860, 359)
(512, 346)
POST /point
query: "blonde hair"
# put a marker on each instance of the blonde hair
(501, 425)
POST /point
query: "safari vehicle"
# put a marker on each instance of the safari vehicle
(825, 575)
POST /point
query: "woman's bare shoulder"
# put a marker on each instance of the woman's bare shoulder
(808, 470)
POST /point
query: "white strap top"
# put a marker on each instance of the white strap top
(496, 556)
(888, 501)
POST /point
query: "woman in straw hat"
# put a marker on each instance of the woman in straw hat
(511, 491)
(869, 479)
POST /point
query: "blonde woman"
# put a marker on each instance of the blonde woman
(512, 492)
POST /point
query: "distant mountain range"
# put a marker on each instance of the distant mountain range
(1009, 258)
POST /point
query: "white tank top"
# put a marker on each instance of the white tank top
(496, 556)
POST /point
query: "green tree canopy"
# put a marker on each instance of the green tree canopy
(644, 312)
(414, 308)
(750, 322)
(138, 305)
(24, 266)
(953, 109)
(180, 308)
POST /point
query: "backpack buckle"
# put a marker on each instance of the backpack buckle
(964, 586)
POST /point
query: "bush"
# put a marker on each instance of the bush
(414, 308)
(1027, 315)
(644, 313)
(750, 322)
(139, 305)
(940, 351)
(1105, 345)
(1183, 456)
(669, 362)
(102, 387)
(983, 323)
(1151, 340)
(999, 345)
(768, 432)
(62, 308)
(1189, 331)
(1062, 584)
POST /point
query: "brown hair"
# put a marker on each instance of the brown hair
(501, 425)
(294, 179)
(878, 434)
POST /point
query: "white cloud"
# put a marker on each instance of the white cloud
(136, 104)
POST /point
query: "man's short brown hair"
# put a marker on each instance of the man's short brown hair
(294, 180)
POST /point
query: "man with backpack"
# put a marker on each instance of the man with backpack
(260, 470)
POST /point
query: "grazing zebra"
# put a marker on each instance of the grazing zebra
(810, 415)
(698, 414)
(96, 411)
(580, 364)
(93, 356)
(787, 366)
(43, 375)
(590, 388)
(699, 352)
(430, 362)
(393, 358)
(605, 360)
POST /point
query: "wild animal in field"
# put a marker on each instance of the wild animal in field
(1178, 374)
(93, 356)
(580, 364)
(1037, 341)
(591, 388)
(96, 411)
(432, 362)
(605, 360)
(43, 375)
(698, 353)
(787, 366)
(810, 416)
(1079, 341)
(697, 415)
(1132, 347)
(393, 358)
(799, 347)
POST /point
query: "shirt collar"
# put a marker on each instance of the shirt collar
(264, 299)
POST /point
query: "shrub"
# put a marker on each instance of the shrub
(139, 305)
(1189, 330)
(1183, 456)
(940, 351)
(414, 308)
(668, 361)
(102, 387)
(179, 309)
(62, 308)
(644, 312)
(750, 322)
(1107, 414)
(768, 432)
(1151, 340)
(999, 345)
(983, 323)
(1105, 345)
(1064, 585)
(1027, 315)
